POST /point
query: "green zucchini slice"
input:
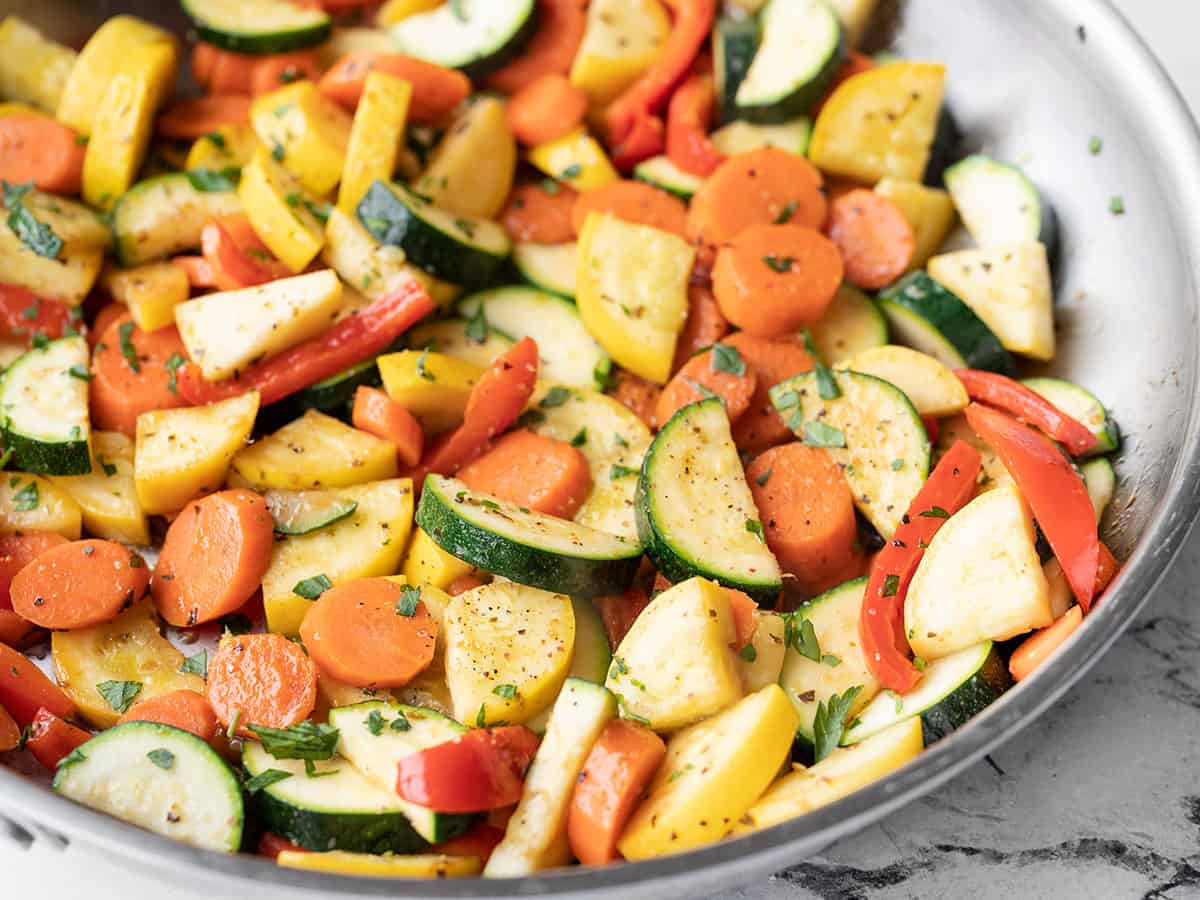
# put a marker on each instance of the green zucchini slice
(258, 26)
(44, 409)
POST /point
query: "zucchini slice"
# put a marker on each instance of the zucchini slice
(569, 354)
(872, 431)
(851, 324)
(998, 203)
(477, 36)
(406, 730)
(550, 267)
(335, 394)
(1100, 479)
(335, 808)
(464, 251)
(158, 778)
(302, 512)
(695, 513)
(928, 316)
(162, 216)
(1083, 406)
(474, 342)
(527, 547)
(951, 692)
(932, 388)
(802, 50)
(662, 173)
(258, 26)
(987, 552)
(44, 409)
(734, 44)
(742, 137)
(809, 682)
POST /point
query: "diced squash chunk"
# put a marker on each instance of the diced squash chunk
(432, 386)
(278, 208)
(622, 39)
(306, 132)
(576, 159)
(107, 495)
(225, 146)
(33, 503)
(471, 171)
(33, 69)
(68, 278)
(762, 663)
(929, 211)
(151, 292)
(376, 136)
(427, 563)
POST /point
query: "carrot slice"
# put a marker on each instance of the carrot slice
(130, 376)
(79, 584)
(435, 90)
(552, 48)
(213, 558)
(378, 414)
(261, 679)
(15, 631)
(614, 777)
(637, 395)
(774, 279)
(271, 845)
(223, 71)
(39, 149)
(10, 734)
(51, 740)
(186, 710)
(706, 374)
(875, 239)
(705, 325)
(762, 187)
(203, 62)
(19, 550)
(199, 271)
(371, 633)
(480, 840)
(546, 109)
(540, 213)
(632, 201)
(191, 119)
(618, 612)
(742, 607)
(108, 314)
(464, 583)
(274, 71)
(534, 471)
(807, 513)
(1035, 650)
(24, 689)
(774, 361)
(237, 255)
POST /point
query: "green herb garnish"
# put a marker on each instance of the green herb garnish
(312, 588)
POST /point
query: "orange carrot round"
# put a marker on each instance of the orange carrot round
(15, 631)
(618, 612)
(540, 213)
(279, 69)
(24, 689)
(10, 734)
(119, 392)
(435, 90)
(546, 109)
(213, 558)
(551, 50)
(774, 361)
(632, 201)
(79, 584)
(261, 679)
(204, 60)
(39, 149)
(108, 314)
(742, 608)
(771, 280)
(762, 187)
(1036, 649)
(479, 840)
(875, 239)
(705, 325)
(222, 71)
(371, 633)
(614, 777)
(191, 119)
(186, 710)
(464, 583)
(637, 395)
(19, 550)
(534, 471)
(807, 513)
(705, 374)
(378, 414)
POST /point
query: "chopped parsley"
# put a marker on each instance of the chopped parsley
(1095, 145)
(726, 358)
(580, 437)
(172, 366)
(26, 499)
(1116, 205)
(277, 152)
(312, 588)
(748, 653)
(827, 386)
(830, 722)
(125, 333)
(620, 471)
(780, 265)
(216, 139)
(305, 740)
(163, 758)
(421, 370)
(119, 694)
(818, 434)
(265, 779)
(891, 585)
(80, 372)
(401, 723)
(481, 716)
(550, 186)
(762, 479)
(196, 665)
(507, 691)
(477, 329)
(755, 528)
(703, 391)
(215, 181)
(410, 599)
(375, 722)
(897, 465)
(37, 236)
(785, 215)
(799, 634)
(556, 396)
(574, 170)
(934, 512)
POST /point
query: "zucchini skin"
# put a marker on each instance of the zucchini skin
(42, 458)
(735, 41)
(353, 832)
(486, 65)
(944, 149)
(966, 701)
(301, 36)
(583, 578)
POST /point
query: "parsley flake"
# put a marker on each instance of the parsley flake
(312, 588)
(725, 358)
(26, 499)
(830, 722)
(265, 779)
(574, 170)
(891, 585)
(755, 528)
(305, 740)
(125, 333)
(375, 722)
(818, 434)
(163, 758)
(477, 329)
(556, 396)
(934, 512)
(620, 471)
(410, 599)
(119, 694)
(196, 665)
(780, 265)
(507, 691)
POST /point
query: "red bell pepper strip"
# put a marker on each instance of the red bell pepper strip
(200, 274)
(1028, 406)
(25, 689)
(688, 119)
(236, 254)
(650, 93)
(948, 489)
(271, 845)
(346, 344)
(1054, 491)
(496, 401)
(479, 840)
(24, 314)
(482, 770)
(52, 739)
(646, 139)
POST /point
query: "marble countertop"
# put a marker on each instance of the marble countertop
(1097, 799)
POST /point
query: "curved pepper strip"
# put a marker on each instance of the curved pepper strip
(1055, 493)
(646, 139)
(1028, 406)
(688, 119)
(948, 489)
(649, 94)
(51, 739)
(482, 770)
(346, 344)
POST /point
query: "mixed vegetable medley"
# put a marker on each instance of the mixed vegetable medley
(457, 438)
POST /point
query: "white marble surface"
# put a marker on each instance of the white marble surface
(1099, 799)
